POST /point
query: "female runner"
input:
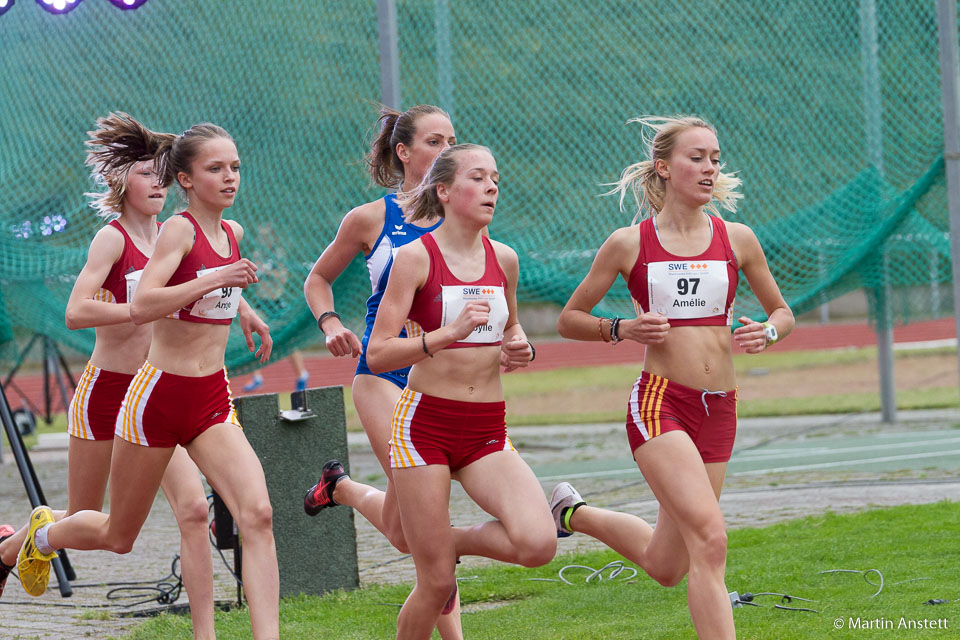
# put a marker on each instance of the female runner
(681, 265)
(121, 154)
(191, 287)
(401, 154)
(454, 291)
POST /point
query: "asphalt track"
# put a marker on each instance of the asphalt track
(876, 452)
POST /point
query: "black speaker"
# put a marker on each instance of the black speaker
(224, 528)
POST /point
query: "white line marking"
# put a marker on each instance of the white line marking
(840, 463)
(589, 474)
(820, 451)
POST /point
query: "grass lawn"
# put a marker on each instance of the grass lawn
(915, 547)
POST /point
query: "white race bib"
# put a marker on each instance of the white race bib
(456, 297)
(133, 279)
(218, 304)
(688, 289)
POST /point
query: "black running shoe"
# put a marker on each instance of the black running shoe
(320, 496)
(5, 532)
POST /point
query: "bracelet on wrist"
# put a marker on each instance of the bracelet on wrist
(615, 330)
(600, 329)
(324, 316)
(533, 352)
(423, 341)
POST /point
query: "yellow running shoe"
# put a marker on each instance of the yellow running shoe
(33, 566)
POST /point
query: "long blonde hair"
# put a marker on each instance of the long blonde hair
(648, 187)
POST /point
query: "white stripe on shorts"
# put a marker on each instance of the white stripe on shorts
(635, 410)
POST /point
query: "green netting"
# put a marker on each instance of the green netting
(836, 133)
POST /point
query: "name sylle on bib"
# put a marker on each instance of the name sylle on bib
(132, 279)
(456, 297)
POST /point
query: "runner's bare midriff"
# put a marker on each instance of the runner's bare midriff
(694, 356)
(203, 343)
(468, 374)
(121, 348)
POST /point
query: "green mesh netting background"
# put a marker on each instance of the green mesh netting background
(837, 135)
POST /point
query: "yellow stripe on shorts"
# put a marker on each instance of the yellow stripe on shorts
(135, 394)
(78, 426)
(399, 419)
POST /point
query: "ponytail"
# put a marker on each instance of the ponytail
(386, 168)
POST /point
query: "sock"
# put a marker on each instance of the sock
(568, 513)
(43, 546)
(335, 483)
(4, 565)
(304, 375)
(257, 378)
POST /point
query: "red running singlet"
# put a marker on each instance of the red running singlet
(688, 290)
(220, 305)
(444, 296)
(125, 272)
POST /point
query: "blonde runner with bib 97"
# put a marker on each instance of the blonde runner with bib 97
(682, 265)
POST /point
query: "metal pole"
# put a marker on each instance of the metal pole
(934, 283)
(869, 58)
(389, 53)
(949, 65)
(441, 14)
(61, 566)
(825, 305)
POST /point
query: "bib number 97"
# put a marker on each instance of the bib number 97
(687, 286)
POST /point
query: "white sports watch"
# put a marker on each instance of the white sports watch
(770, 332)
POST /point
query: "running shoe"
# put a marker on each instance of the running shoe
(451, 601)
(302, 383)
(564, 496)
(320, 495)
(32, 565)
(5, 532)
(254, 384)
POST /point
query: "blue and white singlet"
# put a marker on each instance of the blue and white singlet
(396, 232)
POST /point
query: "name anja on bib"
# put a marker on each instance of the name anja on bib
(218, 304)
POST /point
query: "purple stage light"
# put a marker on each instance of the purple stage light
(5, 6)
(52, 224)
(59, 6)
(23, 230)
(127, 4)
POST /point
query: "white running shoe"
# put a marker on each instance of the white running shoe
(564, 495)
